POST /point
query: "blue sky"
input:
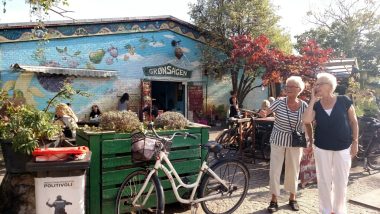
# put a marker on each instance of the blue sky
(293, 12)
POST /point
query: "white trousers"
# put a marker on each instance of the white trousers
(292, 156)
(333, 169)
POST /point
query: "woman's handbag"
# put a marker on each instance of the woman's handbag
(298, 138)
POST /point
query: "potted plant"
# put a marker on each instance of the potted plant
(22, 129)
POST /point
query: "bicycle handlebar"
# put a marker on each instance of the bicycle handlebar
(185, 134)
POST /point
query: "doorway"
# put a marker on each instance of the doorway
(169, 96)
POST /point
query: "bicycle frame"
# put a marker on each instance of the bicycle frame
(158, 165)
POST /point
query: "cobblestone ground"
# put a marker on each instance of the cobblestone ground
(258, 195)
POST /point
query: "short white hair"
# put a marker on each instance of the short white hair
(331, 79)
(297, 80)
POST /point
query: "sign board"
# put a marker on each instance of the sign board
(60, 195)
(167, 70)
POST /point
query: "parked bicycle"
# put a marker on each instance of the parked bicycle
(220, 188)
(369, 143)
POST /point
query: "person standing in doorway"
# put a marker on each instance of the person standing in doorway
(336, 142)
(123, 102)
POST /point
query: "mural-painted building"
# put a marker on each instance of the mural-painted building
(108, 57)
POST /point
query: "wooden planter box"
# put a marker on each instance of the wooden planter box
(111, 162)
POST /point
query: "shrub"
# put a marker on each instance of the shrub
(27, 127)
(170, 120)
(120, 121)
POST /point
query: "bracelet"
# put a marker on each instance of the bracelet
(355, 140)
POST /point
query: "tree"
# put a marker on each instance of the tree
(258, 58)
(351, 28)
(43, 7)
(223, 19)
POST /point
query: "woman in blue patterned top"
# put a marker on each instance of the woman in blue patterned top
(288, 113)
(336, 142)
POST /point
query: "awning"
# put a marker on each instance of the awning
(341, 67)
(66, 71)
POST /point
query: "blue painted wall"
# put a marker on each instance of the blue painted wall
(126, 53)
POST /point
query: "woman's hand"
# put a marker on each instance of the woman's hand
(354, 148)
(313, 98)
(262, 113)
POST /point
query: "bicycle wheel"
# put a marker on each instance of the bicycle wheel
(151, 201)
(235, 174)
(373, 155)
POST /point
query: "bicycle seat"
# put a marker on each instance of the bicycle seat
(213, 146)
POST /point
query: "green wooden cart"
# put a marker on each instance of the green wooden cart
(111, 162)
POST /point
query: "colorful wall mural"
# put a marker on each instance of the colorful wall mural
(106, 47)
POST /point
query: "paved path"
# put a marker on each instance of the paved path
(258, 196)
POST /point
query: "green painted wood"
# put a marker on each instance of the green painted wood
(116, 146)
(116, 177)
(94, 190)
(126, 159)
(111, 160)
(112, 192)
(204, 140)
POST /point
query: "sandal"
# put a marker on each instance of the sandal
(273, 207)
(294, 205)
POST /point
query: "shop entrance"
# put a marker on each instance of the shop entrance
(169, 96)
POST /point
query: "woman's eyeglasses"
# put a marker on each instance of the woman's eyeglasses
(291, 87)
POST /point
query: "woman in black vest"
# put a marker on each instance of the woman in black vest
(336, 142)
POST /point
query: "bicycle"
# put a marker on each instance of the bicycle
(369, 143)
(225, 182)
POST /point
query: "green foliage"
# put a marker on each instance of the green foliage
(364, 100)
(120, 121)
(27, 127)
(223, 19)
(170, 120)
(351, 28)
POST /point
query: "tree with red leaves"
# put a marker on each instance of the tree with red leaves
(256, 58)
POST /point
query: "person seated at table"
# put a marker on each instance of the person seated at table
(271, 100)
(95, 113)
(67, 119)
(234, 108)
(265, 107)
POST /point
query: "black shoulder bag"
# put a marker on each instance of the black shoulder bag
(298, 138)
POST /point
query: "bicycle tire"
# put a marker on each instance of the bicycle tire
(209, 186)
(373, 155)
(131, 187)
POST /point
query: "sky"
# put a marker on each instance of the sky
(292, 12)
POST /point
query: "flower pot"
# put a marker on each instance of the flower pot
(15, 162)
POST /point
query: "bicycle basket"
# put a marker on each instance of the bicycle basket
(143, 148)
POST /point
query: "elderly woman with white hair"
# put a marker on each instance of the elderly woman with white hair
(288, 113)
(336, 142)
